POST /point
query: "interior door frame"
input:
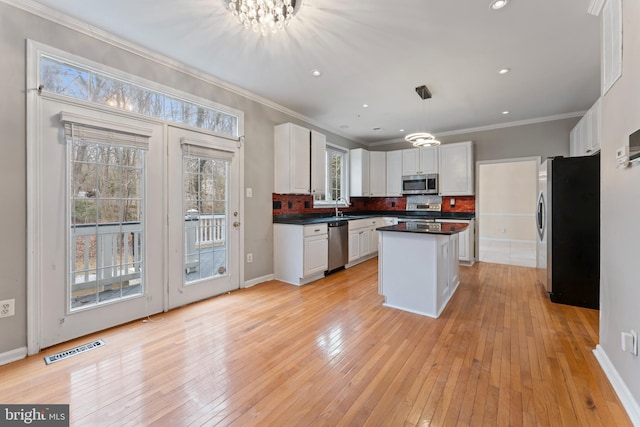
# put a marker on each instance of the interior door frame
(478, 195)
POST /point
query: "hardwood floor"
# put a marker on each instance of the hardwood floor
(329, 354)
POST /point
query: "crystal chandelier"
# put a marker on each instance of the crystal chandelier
(263, 16)
(422, 139)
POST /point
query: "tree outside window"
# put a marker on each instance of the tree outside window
(336, 174)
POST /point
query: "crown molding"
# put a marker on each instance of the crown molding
(75, 24)
(491, 127)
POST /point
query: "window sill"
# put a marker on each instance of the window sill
(324, 205)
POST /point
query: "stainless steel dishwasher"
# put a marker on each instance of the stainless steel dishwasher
(338, 244)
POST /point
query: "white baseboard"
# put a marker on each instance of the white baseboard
(625, 396)
(258, 280)
(13, 355)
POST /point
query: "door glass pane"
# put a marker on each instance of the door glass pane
(106, 244)
(205, 202)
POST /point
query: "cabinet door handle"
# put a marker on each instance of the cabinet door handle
(316, 230)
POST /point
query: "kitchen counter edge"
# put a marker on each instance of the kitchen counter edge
(304, 219)
(446, 228)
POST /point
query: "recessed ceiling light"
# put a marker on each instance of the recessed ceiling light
(498, 4)
(401, 130)
(504, 70)
(505, 113)
(365, 105)
(316, 73)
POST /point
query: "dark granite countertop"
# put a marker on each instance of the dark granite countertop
(303, 219)
(423, 228)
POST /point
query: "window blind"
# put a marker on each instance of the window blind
(193, 147)
(87, 129)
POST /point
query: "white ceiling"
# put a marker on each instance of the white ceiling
(376, 52)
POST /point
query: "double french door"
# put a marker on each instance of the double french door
(135, 217)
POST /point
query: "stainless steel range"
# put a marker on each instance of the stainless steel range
(424, 203)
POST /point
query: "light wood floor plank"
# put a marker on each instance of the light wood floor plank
(329, 354)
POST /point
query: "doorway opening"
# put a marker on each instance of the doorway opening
(507, 193)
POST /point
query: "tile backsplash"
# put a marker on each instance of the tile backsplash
(303, 204)
(462, 204)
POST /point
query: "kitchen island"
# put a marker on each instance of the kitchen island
(418, 266)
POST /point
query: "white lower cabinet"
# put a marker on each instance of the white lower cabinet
(300, 252)
(466, 241)
(315, 255)
(363, 239)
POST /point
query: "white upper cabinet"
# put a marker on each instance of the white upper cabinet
(359, 172)
(596, 125)
(394, 173)
(584, 139)
(299, 160)
(420, 160)
(456, 169)
(367, 172)
(611, 43)
(318, 163)
(377, 173)
(292, 159)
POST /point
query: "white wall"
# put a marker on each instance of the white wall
(620, 198)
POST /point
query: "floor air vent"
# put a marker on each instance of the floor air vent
(72, 352)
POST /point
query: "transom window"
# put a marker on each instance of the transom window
(64, 78)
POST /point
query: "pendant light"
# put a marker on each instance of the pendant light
(422, 139)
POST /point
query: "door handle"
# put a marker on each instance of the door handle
(236, 224)
(541, 215)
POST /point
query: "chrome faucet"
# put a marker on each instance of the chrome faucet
(338, 213)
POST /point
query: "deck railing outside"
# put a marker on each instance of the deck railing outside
(112, 253)
(105, 254)
(211, 230)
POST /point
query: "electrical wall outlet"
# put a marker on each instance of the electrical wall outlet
(7, 308)
(249, 257)
(630, 342)
(249, 192)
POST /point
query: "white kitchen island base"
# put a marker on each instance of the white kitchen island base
(417, 272)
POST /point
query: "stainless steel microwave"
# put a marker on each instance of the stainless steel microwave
(420, 184)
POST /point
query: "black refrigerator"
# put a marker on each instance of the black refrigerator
(568, 220)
